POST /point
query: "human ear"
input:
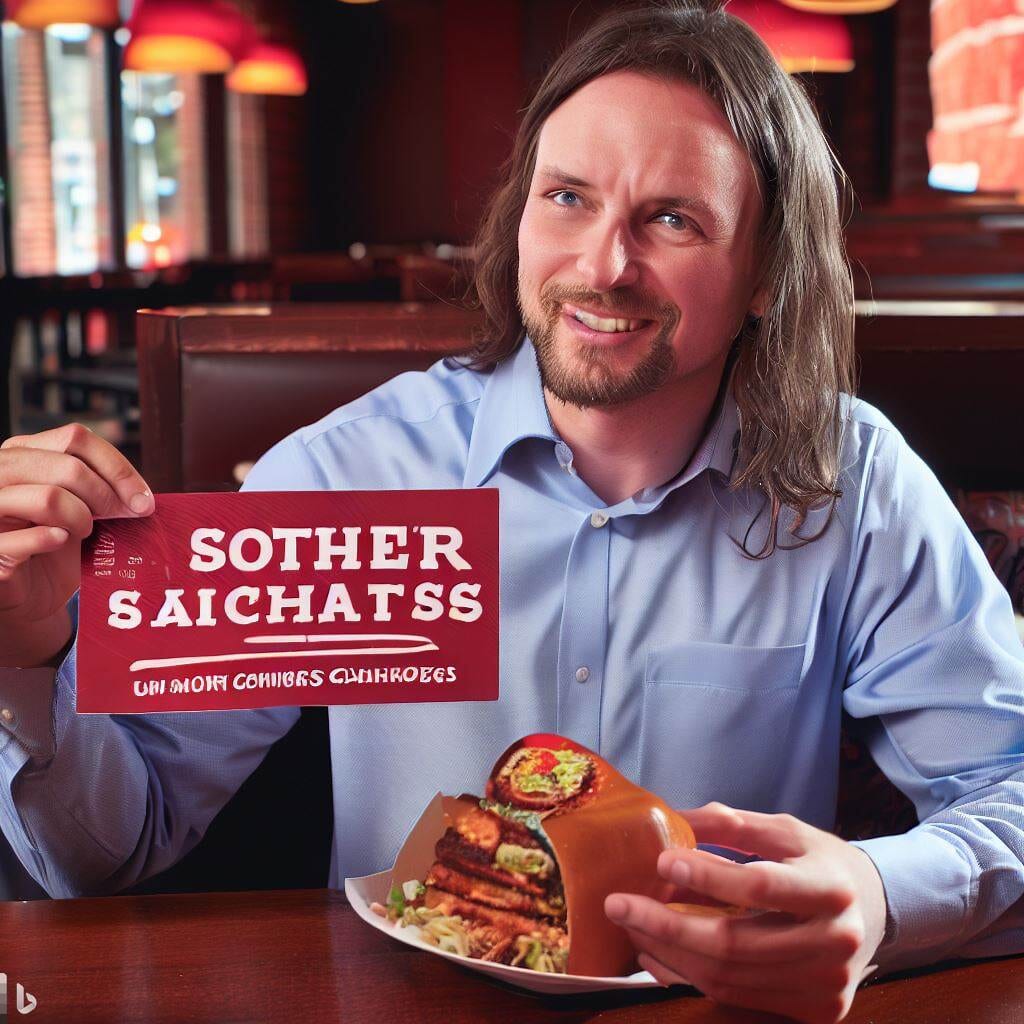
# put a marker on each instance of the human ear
(758, 302)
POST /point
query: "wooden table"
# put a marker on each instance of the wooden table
(305, 956)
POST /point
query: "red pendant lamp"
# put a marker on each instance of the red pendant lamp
(41, 13)
(840, 6)
(271, 69)
(801, 41)
(177, 36)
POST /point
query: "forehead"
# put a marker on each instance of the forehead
(648, 136)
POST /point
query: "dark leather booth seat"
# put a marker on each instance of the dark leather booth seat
(220, 385)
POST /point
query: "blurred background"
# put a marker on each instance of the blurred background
(364, 181)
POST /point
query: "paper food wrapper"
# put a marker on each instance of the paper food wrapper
(414, 861)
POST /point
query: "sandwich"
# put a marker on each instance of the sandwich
(515, 877)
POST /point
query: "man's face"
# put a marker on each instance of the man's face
(641, 222)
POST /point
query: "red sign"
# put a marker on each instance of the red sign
(224, 601)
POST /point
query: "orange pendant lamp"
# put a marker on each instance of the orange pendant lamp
(801, 41)
(178, 36)
(271, 69)
(41, 13)
(840, 6)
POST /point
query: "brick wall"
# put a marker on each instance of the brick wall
(276, 175)
(192, 166)
(912, 104)
(100, 134)
(33, 229)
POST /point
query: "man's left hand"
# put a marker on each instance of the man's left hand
(823, 916)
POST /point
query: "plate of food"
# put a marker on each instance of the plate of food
(513, 883)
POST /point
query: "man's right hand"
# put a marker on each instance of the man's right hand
(52, 486)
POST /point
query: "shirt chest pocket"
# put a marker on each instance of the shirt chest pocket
(715, 721)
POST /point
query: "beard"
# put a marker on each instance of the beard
(583, 375)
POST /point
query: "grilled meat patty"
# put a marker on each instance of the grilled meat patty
(456, 852)
(500, 923)
(501, 897)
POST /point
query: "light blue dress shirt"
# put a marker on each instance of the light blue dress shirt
(638, 629)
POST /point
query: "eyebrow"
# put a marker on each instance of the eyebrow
(687, 202)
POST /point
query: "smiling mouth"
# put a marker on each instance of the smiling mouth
(606, 325)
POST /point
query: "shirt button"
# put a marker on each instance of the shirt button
(7, 715)
(598, 519)
(582, 674)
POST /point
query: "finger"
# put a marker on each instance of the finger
(702, 970)
(710, 818)
(799, 1002)
(662, 974)
(723, 937)
(46, 505)
(769, 938)
(130, 490)
(19, 546)
(28, 465)
(790, 994)
(762, 884)
(776, 836)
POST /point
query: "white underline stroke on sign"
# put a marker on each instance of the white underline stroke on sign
(320, 638)
(340, 652)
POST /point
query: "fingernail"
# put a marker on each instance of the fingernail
(141, 503)
(615, 906)
(680, 872)
(58, 533)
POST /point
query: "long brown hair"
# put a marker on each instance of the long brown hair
(794, 362)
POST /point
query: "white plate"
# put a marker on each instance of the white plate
(361, 892)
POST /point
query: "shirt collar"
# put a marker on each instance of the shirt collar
(512, 409)
(717, 449)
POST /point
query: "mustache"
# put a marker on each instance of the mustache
(625, 303)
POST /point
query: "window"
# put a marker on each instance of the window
(58, 106)
(76, 88)
(54, 91)
(165, 182)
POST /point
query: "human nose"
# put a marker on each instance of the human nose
(607, 260)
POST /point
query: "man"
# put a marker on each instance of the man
(708, 552)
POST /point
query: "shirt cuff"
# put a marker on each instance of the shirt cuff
(26, 711)
(928, 884)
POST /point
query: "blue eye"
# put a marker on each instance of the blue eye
(563, 192)
(680, 221)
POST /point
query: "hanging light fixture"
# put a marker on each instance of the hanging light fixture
(840, 6)
(269, 68)
(801, 41)
(206, 36)
(41, 13)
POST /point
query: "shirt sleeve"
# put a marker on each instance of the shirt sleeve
(936, 677)
(92, 804)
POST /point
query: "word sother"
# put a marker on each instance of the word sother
(329, 548)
